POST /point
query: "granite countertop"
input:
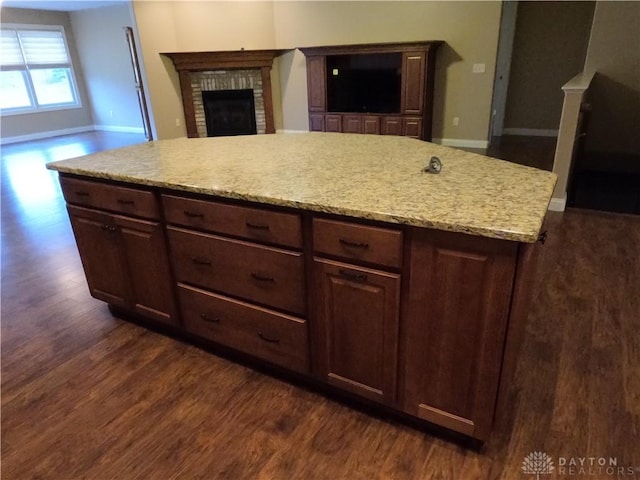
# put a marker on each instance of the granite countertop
(363, 176)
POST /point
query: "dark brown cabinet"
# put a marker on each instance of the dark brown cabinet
(125, 262)
(454, 332)
(420, 320)
(358, 320)
(415, 90)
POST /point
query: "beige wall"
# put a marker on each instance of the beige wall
(103, 49)
(614, 53)
(183, 26)
(469, 28)
(549, 49)
(41, 122)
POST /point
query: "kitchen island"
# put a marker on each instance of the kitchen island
(334, 256)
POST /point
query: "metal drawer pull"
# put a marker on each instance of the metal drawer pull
(193, 214)
(360, 277)
(82, 194)
(122, 201)
(262, 278)
(201, 261)
(104, 226)
(267, 339)
(256, 226)
(350, 243)
(209, 319)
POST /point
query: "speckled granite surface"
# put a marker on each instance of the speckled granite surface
(362, 176)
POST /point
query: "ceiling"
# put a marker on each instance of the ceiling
(60, 5)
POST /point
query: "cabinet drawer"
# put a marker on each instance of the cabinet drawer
(273, 336)
(251, 223)
(381, 246)
(265, 275)
(130, 201)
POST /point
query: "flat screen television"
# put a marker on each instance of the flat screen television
(364, 83)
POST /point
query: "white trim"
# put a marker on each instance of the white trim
(461, 142)
(117, 128)
(558, 204)
(40, 135)
(286, 130)
(531, 132)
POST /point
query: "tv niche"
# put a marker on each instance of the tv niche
(364, 83)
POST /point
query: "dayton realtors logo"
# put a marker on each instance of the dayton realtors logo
(539, 463)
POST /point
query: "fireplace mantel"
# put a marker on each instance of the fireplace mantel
(186, 63)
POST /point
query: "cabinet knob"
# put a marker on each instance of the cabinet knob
(201, 261)
(351, 243)
(256, 226)
(360, 277)
(193, 214)
(209, 319)
(262, 278)
(267, 339)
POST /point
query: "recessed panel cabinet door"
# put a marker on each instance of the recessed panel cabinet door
(357, 318)
(145, 252)
(455, 328)
(101, 255)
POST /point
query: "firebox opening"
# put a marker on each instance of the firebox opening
(229, 112)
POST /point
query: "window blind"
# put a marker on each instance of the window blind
(10, 48)
(33, 48)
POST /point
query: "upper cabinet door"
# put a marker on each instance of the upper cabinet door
(413, 71)
(455, 328)
(316, 83)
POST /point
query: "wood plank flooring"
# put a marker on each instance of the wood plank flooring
(89, 396)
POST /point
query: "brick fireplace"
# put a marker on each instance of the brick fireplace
(216, 71)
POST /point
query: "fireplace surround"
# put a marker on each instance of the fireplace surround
(225, 70)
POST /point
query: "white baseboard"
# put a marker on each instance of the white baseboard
(41, 135)
(286, 130)
(530, 132)
(558, 204)
(119, 129)
(461, 142)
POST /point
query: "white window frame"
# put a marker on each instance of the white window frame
(24, 68)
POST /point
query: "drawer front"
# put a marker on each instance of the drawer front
(272, 336)
(265, 275)
(351, 241)
(130, 201)
(245, 222)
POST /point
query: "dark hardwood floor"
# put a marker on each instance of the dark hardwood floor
(88, 396)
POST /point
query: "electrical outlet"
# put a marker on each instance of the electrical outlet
(479, 68)
(456, 121)
(177, 122)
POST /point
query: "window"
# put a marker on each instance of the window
(36, 71)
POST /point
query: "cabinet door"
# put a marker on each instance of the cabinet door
(459, 295)
(412, 127)
(352, 124)
(316, 122)
(358, 328)
(316, 83)
(145, 252)
(333, 123)
(371, 125)
(392, 126)
(101, 255)
(413, 70)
